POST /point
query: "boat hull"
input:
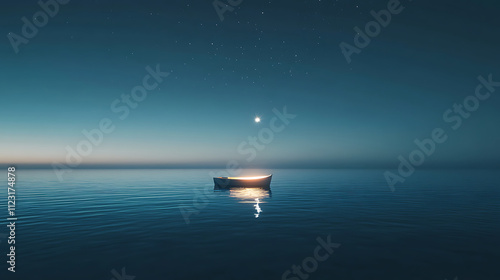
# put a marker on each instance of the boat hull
(227, 183)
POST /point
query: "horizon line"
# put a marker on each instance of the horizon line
(271, 166)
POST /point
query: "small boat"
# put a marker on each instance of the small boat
(263, 182)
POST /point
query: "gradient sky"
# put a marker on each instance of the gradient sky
(264, 55)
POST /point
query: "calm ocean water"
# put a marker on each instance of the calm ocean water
(117, 224)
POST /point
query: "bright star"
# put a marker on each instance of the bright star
(257, 119)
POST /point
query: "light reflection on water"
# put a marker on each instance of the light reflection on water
(251, 195)
(257, 208)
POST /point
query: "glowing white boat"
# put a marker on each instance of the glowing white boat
(263, 182)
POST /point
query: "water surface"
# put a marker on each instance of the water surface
(438, 224)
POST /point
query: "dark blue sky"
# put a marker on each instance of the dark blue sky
(264, 55)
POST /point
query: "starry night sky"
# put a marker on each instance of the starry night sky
(263, 55)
